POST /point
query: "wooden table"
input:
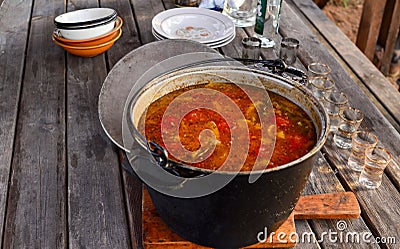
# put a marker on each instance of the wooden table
(61, 184)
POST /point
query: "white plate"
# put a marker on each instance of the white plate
(223, 43)
(229, 38)
(160, 37)
(157, 36)
(202, 25)
(212, 45)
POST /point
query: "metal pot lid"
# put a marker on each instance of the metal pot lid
(125, 74)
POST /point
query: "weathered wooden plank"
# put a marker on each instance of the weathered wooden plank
(36, 210)
(132, 186)
(133, 193)
(130, 37)
(323, 180)
(384, 220)
(14, 23)
(96, 212)
(370, 25)
(303, 229)
(144, 11)
(375, 122)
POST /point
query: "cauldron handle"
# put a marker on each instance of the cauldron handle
(161, 156)
(278, 67)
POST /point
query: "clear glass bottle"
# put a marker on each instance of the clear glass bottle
(274, 10)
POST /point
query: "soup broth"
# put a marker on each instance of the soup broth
(293, 131)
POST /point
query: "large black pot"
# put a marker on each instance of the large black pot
(237, 214)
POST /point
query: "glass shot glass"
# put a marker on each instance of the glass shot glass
(251, 48)
(361, 140)
(349, 120)
(318, 69)
(321, 86)
(376, 160)
(332, 102)
(288, 51)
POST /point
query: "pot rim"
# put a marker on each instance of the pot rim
(323, 134)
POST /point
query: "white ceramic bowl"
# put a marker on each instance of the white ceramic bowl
(87, 33)
(84, 18)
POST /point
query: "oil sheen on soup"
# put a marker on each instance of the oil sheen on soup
(290, 133)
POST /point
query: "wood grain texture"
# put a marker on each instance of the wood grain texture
(381, 206)
(327, 206)
(96, 208)
(144, 11)
(96, 211)
(133, 194)
(36, 210)
(370, 25)
(303, 228)
(324, 180)
(130, 36)
(12, 35)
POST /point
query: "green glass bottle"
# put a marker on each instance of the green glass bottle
(260, 17)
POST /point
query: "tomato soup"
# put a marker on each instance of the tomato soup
(290, 133)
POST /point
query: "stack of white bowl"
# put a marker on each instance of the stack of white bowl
(87, 32)
(208, 27)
